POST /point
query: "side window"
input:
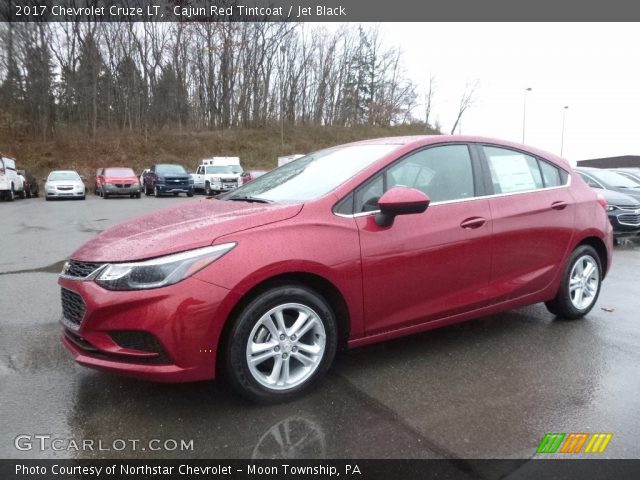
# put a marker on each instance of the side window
(550, 174)
(589, 181)
(443, 173)
(367, 195)
(512, 171)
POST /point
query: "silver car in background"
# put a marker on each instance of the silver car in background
(64, 184)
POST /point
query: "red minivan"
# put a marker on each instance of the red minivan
(343, 247)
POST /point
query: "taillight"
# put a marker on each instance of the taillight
(602, 201)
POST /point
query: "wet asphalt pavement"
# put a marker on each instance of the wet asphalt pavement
(490, 388)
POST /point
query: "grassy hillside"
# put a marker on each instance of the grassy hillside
(258, 148)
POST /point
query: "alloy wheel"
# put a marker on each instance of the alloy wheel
(286, 346)
(583, 282)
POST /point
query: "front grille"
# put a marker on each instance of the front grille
(80, 269)
(73, 307)
(629, 219)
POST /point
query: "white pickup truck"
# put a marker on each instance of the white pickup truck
(217, 174)
(11, 183)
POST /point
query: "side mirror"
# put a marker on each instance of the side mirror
(400, 201)
(82, 177)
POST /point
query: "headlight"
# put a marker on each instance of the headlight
(611, 208)
(159, 272)
(160, 180)
(215, 179)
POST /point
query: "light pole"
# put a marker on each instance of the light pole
(564, 114)
(282, 51)
(524, 111)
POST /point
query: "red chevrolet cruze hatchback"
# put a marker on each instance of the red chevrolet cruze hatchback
(347, 246)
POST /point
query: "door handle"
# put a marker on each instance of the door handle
(559, 205)
(473, 222)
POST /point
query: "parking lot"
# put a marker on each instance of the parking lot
(490, 388)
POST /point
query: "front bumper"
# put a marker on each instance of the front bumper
(65, 193)
(132, 189)
(183, 321)
(168, 188)
(623, 227)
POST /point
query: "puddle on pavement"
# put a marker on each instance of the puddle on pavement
(53, 268)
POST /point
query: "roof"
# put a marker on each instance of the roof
(420, 140)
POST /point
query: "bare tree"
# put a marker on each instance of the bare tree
(428, 102)
(466, 101)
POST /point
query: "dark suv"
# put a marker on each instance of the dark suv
(31, 187)
(167, 178)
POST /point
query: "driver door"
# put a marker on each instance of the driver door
(431, 265)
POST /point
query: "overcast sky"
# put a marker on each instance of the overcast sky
(592, 68)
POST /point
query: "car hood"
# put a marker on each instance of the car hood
(191, 225)
(617, 198)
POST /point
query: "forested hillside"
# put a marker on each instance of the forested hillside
(86, 93)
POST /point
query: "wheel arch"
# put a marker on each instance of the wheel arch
(312, 280)
(601, 249)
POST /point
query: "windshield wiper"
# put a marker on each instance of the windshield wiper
(249, 199)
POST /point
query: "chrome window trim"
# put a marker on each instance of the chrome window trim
(460, 200)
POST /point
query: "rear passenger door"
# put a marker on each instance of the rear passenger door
(532, 215)
(430, 265)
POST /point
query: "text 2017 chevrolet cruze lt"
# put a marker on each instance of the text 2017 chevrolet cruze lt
(347, 246)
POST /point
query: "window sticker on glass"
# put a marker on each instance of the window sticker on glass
(512, 173)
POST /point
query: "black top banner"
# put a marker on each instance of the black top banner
(316, 10)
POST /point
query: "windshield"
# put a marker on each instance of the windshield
(312, 176)
(56, 176)
(615, 179)
(223, 169)
(119, 172)
(170, 170)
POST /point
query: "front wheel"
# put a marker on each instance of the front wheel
(156, 191)
(281, 344)
(207, 189)
(580, 285)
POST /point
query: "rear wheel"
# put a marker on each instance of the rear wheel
(580, 285)
(281, 344)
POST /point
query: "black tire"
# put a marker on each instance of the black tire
(156, 191)
(189, 194)
(563, 305)
(10, 195)
(175, 194)
(207, 189)
(235, 361)
(84, 197)
(47, 198)
(105, 195)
